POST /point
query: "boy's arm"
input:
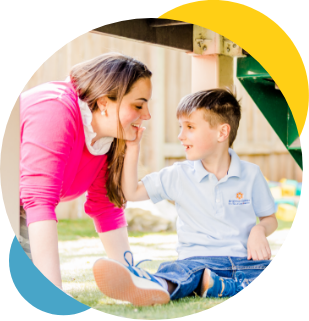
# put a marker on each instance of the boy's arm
(264, 207)
(132, 189)
(257, 246)
(268, 224)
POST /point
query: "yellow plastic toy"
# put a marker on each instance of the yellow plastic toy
(276, 192)
(286, 212)
(288, 190)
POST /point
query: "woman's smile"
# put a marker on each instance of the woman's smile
(133, 110)
(131, 116)
(136, 126)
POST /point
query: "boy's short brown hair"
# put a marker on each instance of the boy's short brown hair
(221, 106)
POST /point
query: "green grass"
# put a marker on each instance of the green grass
(90, 295)
(174, 309)
(80, 283)
(70, 230)
(284, 225)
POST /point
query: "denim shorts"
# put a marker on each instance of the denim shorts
(187, 273)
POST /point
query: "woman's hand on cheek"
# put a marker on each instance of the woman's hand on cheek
(137, 140)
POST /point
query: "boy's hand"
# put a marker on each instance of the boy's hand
(258, 247)
(138, 138)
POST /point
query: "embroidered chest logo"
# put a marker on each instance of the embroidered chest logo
(239, 195)
(239, 200)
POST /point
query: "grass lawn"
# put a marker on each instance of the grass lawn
(70, 230)
(80, 247)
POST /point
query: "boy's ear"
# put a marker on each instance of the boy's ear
(224, 132)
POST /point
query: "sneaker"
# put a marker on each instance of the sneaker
(128, 283)
(215, 286)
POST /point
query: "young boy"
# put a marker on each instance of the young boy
(218, 197)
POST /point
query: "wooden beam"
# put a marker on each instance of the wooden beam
(176, 36)
(172, 150)
(158, 23)
(259, 149)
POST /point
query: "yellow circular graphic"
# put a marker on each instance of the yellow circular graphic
(262, 38)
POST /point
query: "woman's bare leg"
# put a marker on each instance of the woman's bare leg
(115, 243)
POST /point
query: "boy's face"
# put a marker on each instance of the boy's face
(199, 139)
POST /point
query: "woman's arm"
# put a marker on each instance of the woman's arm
(132, 189)
(115, 243)
(109, 220)
(43, 239)
(47, 136)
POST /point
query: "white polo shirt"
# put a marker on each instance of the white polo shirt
(214, 217)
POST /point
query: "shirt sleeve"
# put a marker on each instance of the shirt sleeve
(262, 199)
(106, 216)
(48, 131)
(163, 184)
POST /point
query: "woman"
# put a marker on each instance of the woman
(73, 140)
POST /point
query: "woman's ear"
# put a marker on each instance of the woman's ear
(224, 132)
(102, 103)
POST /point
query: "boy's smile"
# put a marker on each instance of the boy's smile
(198, 138)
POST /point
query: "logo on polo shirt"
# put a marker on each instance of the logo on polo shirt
(239, 195)
(240, 200)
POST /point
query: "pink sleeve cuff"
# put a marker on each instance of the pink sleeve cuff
(105, 223)
(40, 213)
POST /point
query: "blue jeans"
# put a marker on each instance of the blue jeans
(187, 274)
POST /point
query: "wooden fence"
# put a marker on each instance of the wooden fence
(256, 141)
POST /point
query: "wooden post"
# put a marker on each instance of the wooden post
(213, 71)
(158, 110)
(10, 169)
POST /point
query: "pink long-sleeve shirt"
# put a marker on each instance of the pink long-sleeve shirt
(55, 164)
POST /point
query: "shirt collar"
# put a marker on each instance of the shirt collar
(102, 145)
(234, 169)
(200, 171)
(235, 166)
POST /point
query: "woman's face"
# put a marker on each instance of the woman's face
(133, 109)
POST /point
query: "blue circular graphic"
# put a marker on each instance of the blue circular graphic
(38, 290)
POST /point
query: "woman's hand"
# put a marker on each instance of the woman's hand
(257, 246)
(137, 140)
(133, 190)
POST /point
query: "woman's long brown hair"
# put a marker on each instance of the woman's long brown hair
(111, 75)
